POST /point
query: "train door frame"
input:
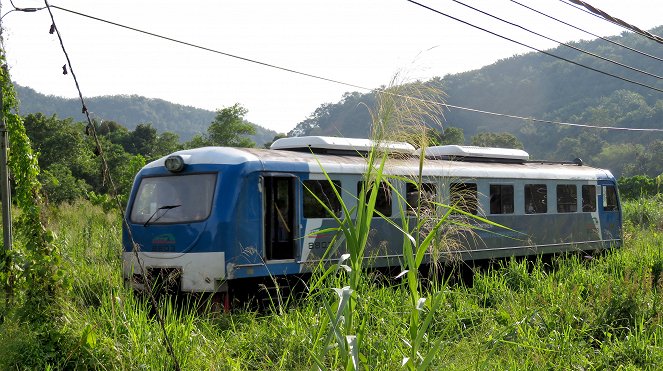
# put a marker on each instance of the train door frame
(612, 218)
(280, 224)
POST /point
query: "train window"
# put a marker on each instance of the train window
(382, 200)
(588, 198)
(610, 198)
(501, 199)
(174, 199)
(464, 197)
(536, 198)
(567, 198)
(427, 192)
(316, 191)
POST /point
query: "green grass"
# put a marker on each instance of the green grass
(566, 312)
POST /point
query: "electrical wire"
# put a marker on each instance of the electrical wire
(383, 91)
(205, 48)
(589, 33)
(16, 9)
(536, 49)
(559, 42)
(559, 123)
(333, 80)
(607, 17)
(107, 174)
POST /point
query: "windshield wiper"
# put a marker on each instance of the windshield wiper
(166, 207)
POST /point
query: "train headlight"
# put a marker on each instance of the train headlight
(174, 164)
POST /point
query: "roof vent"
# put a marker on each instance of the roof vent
(339, 145)
(470, 153)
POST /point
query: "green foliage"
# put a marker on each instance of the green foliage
(59, 185)
(644, 212)
(620, 158)
(500, 140)
(450, 135)
(276, 137)
(650, 159)
(229, 128)
(131, 111)
(40, 284)
(638, 186)
(558, 313)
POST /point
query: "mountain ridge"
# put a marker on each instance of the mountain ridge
(129, 111)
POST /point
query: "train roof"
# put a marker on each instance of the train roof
(339, 145)
(302, 161)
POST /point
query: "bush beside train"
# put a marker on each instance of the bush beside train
(212, 217)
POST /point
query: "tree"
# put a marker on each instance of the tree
(197, 141)
(230, 129)
(59, 184)
(621, 159)
(502, 140)
(142, 140)
(450, 135)
(276, 137)
(167, 142)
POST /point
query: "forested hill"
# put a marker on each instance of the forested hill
(129, 111)
(540, 86)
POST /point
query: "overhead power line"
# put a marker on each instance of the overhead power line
(553, 122)
(106, 173)
(603, 15)
(536, 49)
(205, 48)
(589, 33)
(383, 91)
(333, 80)
(559, 42)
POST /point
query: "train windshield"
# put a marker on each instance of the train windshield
(173, 199)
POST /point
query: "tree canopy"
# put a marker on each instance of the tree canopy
(230, 129)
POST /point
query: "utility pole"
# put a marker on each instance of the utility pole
(4, 174)
(5, 191)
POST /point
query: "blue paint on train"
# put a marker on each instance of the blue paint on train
(233, 214)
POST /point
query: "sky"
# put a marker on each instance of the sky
(363, 43)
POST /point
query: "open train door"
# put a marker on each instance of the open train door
(279, 216)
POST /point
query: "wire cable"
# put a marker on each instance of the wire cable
(536, 49)
(589, 33)
(449, 106)
(559, 42)
(554, 122)
(205, 48)
(325, 78)
(607, 17)
(25, 10)
(107, 174)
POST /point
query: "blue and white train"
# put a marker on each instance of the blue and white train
(214, 217)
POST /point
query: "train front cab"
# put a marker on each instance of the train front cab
(183, 223)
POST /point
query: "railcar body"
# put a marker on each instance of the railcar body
(215, 216)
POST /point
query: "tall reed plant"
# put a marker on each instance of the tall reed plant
(404, 112)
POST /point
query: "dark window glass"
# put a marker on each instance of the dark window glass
(174, 199)
(382, 200)
(316, 191)
(501, 199)
(567, 198)
(464, 197)
(427, 193)
(588, 198)
(536, 198)
(610, 198)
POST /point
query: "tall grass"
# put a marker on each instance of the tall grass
(644, 211)
(566, 312)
